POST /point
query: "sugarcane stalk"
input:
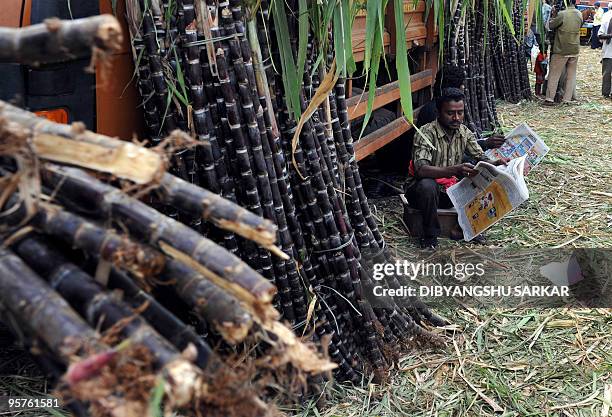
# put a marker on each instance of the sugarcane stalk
(166, 323)
(76, 146)
(209, 301)
(107, 202)
(31, 302)
(102, 309)
(57, 40)
(143, 261)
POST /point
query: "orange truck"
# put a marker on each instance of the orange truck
(106, 103)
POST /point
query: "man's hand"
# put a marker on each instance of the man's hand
(463, 170)
(502, 161)
(495, 141)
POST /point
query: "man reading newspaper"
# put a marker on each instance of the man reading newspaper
(436, 163)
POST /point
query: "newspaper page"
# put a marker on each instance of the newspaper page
(483, 200)
(522, 140)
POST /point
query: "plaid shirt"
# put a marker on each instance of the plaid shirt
(447, 149)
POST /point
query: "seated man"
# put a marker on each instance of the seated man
(451, 76)
(432, 168)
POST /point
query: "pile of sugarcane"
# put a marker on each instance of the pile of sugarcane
(489, 51)
(215, 69)
(103, 264)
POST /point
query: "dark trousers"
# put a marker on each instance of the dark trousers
(606, 72)
(425, 195)
(595, 43)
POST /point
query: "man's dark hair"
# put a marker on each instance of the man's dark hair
(449, 76)
(448, 95)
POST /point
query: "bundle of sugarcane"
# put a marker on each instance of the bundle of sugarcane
(487, 47)
(94, 276)
(284, 151)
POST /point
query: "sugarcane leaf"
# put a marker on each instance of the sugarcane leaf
(302, 35)
(157, 396)
(349, 17)
(507, 16)
(439, 10)
(381, 28)
(401, 61)
(291, 79)
(374, 65)
(311, 307)
(319, 97)
(179, 76)
(371, 21)
(136, 66)
(182, 98)
(168, 102)
(339, 41)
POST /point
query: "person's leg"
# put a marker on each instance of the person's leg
(424, 196)
(557, 63)
(594, 38)
(606, 81)
(570, 83)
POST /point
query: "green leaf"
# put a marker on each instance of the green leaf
(507, 16)
(376, 53)
(339, 41)
(439, 19)
(347, 22)
(371, 21)
(178, 94)
(156, 399)
(179, 75)
(291, 79)
(302, 35)
(401, 61)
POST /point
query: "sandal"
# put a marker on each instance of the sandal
(479, 239)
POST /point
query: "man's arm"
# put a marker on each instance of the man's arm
(603, 31)
(461, 170)
(555, 22)
(492, 142)
(474, 150)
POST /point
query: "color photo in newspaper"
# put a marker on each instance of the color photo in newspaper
(521, 141)
(484, 199)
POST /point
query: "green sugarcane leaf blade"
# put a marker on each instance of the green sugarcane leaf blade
(401, 62)
(371, 23)
(302, 35)
(376, 53)
(291, 79)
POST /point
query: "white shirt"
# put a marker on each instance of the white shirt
(606, 49)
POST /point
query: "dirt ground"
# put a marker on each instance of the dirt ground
(518, 362)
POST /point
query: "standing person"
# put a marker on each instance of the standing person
(436, 162)
(546, 9)
(540, 68)
(599, 12)
(565, 52)
(605, 36)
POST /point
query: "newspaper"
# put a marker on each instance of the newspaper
(482, 200)
(521, 141)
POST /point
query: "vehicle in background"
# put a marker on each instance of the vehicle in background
(107, 103)
(587, 27)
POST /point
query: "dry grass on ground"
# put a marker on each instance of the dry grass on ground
(511, 362)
